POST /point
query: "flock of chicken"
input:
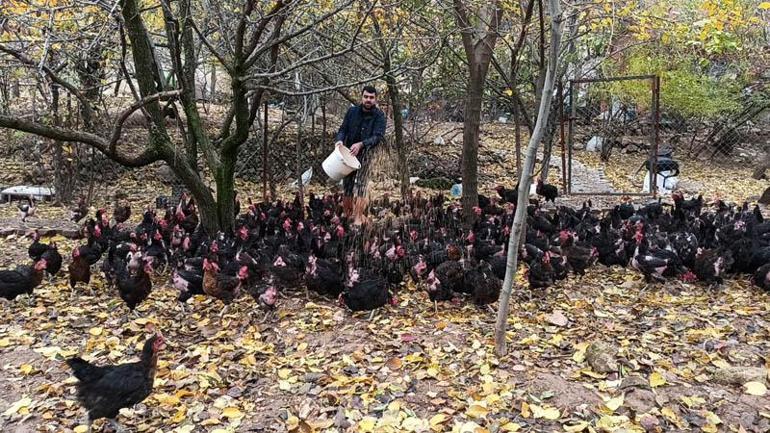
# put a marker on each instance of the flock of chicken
(284, 246)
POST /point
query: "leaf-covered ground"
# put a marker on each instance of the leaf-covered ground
(672, 352)
(316, 367)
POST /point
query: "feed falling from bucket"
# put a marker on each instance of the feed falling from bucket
(340, 163)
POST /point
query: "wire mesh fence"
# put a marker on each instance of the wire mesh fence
(615, 134)
(612, 135)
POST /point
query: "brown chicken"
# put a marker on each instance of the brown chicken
(221, 286)
(79, 269)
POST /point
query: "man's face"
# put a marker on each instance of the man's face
(369, 100)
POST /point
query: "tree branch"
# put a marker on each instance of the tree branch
(87, 110)
(116, 130)
(149, 156)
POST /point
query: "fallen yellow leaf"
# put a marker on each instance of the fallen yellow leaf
(550, 413)
(574, 428)
(755, 388)
(17, 406)
(525, 412)
(476, 411)
(438, 419)
(657, 379)
(511, 427)
(614, 403)
(366, 424)
(232, 412)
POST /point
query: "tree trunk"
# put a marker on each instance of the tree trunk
(525, 180)
(471, 126)
(226, 192)
(398, 133)
(478, 50)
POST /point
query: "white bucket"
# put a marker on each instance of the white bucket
(340, 163)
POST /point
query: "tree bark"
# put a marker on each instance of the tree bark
(525, 180)
(479, 55)
(470, 154)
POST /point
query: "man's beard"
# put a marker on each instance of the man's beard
(368, 105)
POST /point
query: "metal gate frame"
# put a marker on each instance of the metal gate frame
(654, 137)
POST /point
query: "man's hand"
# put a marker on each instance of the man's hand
(339, 143)
(355, 148)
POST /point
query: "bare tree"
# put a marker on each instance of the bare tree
(252, 46)
(525, 180)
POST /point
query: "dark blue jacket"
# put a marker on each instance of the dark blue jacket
(357, 128)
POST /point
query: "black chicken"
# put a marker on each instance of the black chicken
(485, 287)
(508, 195)
(36, 248)
(549, 192)
(188, 282)
(761, 277)
(444, 281)
(710, 265)
(27, 209)
(365, 292)
(540, 272)
(80, 211)
(650, 266)
(134, 287)
(104, 390)
(323, 277)
(21, 280)
(53, 259)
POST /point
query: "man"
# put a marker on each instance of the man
(361, 131)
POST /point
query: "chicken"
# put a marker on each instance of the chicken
(21, 280)
(365, 292)
(549, 192)
(288, 267)
(189, 283)
(221, 286)
(484, 285)
(710, 265)
(650, 266)
(92, 251)
(80, 211)
(445, 280)
(508, 195)
(36, 248)
(761, 277)
(578, 257)
(692, 206)
(104, 390)
(79, 269)
(323, 277)
(53, 259)
(134, 286)
(265, 295)
(27, 209)
(121, 213)
(540, 272)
